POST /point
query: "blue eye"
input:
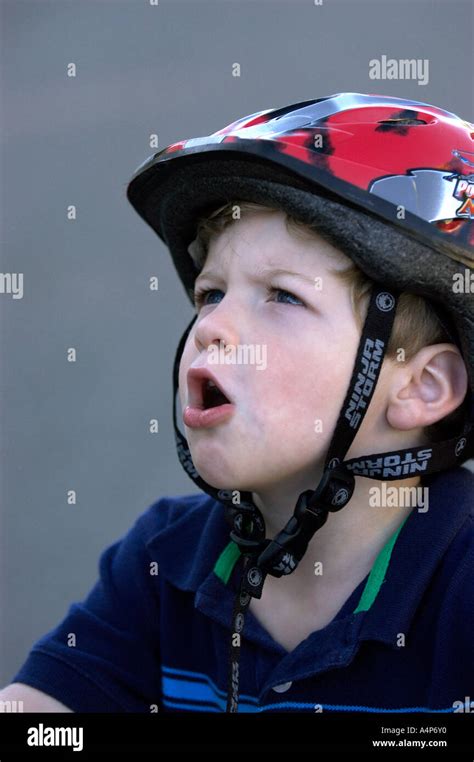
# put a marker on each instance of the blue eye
(200, 296)
(287, 293)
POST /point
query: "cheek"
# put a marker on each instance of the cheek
(303, 384)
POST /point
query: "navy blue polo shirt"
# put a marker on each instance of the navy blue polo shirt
(153, 633)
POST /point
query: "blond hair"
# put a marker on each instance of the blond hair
(416, 323)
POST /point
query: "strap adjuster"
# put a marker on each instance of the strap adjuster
(332, 493)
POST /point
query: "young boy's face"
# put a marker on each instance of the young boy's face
(286, 410)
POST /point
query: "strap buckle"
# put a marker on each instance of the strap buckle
(333, 492)
(283, 553)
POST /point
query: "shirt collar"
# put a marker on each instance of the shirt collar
(188, 548)
(423, 541)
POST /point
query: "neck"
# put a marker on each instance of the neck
(351, 538)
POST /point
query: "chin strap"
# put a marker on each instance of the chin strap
(281, 555)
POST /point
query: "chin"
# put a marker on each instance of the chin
(211, 471)
(217, 472)
(216, 481)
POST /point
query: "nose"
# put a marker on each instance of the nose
(218, 325)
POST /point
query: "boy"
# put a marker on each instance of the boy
(306, 223)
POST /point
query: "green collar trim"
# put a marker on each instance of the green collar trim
(377, 573)
(226, 561)
(231, 554)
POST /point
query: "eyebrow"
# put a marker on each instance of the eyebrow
(269, 270)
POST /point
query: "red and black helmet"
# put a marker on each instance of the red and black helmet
(389, 181)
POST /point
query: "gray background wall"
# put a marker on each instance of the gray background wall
(140, 70)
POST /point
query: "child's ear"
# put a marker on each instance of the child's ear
(427, 388)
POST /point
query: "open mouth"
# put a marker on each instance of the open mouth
(212, 395)
(208, 405)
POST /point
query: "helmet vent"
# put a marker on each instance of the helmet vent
(403, 122)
